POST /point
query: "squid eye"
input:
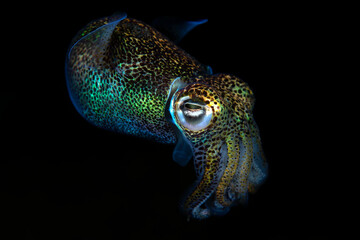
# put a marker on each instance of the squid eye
(193, 115)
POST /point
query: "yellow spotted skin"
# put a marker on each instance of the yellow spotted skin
(228, 157)
(119, 75)
(125, 76)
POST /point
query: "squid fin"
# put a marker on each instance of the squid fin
(102, 26)
(182, 152)
(176, 28)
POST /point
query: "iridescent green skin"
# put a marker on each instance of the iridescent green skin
(121, 82)
(120, 76)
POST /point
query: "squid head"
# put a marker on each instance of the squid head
(214, 114)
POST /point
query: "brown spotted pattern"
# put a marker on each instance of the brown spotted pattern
(119, 77)
(120, 74)
(224, 150)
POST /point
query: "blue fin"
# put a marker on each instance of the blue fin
(98, 26)
(182, 152)
(175, 28)
(209, 70)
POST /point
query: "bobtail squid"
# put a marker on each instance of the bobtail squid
(125, 76)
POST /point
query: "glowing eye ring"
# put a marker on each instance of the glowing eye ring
(192, 115)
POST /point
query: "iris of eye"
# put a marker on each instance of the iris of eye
(193, 110)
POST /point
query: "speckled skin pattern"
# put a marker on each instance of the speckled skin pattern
(120, 73)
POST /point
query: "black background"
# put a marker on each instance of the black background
(62, 178)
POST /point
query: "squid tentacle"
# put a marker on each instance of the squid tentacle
(259, 169)
(233, 146)
(208, 182)
(240, 181)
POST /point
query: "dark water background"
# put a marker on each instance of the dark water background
(62, 178)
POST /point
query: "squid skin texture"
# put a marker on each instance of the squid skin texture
(125, 76)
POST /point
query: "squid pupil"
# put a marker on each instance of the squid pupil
(192, 106)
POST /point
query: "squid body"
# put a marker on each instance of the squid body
(125, 76)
